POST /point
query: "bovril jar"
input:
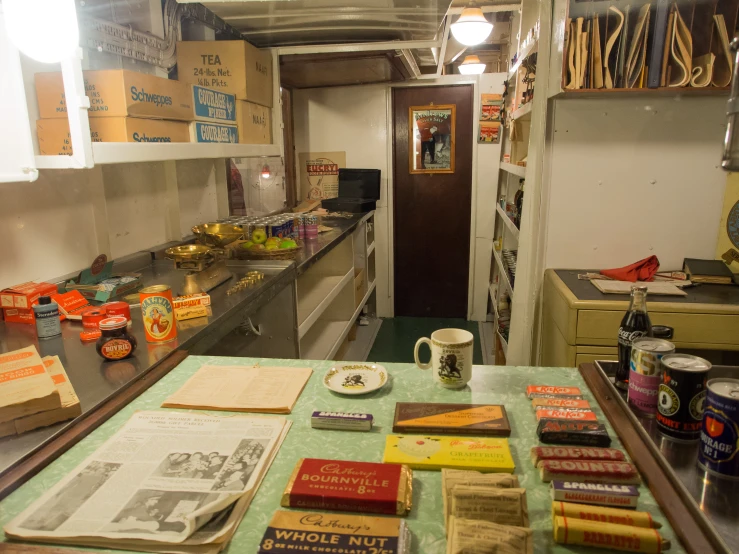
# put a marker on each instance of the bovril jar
(115, 343)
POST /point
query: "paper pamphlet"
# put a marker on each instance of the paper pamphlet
(242, 389)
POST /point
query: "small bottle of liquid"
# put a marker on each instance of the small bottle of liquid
(46, 313)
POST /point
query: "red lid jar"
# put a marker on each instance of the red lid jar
(91, 317)
(117, 309)
(115, 343)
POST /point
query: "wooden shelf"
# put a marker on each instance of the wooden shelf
(530, 49)
(503, 271)
(523, 112)
(661, 91)
(519, 170)
(508, 221)
(320, 340)
(315, 294)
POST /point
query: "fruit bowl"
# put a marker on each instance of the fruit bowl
(250, 253)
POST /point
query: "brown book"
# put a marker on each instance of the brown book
(451, 419)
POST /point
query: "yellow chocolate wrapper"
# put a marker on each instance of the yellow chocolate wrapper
(608, 535)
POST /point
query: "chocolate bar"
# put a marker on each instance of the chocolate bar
(341, 421)
(588, 471)
(604, 515)
(566, 414)
(349, 486)
(601, 494)
(560, 396)
(290, 532)
(560, 409)
(568, 403)
(585, 433)
(455, 419)
(608, 535)
(545, 389)
(539, 453)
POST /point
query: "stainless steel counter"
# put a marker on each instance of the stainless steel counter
(715, 497)
(96, 380)
(317, 248)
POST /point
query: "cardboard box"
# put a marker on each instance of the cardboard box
(25, 295)
(118, 93)
(358, 286)
(25, 386)
(232, 66)
(19, 315)
(255, 123)
(213, 106)
(201, 131)
(54, 139)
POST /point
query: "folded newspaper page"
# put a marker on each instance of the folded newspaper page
(165, 477)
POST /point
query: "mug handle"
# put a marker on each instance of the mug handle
(415, 353)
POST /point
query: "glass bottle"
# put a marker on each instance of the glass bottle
(634, 325)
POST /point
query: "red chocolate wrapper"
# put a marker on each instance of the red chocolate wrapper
(566, 414)
(589, 471)
(349, 486)
(540, 453)
(546, 389)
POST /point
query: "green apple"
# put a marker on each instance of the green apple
(288, 243)
(247, 244)
(272, 246)
(259, 236)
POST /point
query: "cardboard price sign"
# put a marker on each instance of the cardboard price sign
(319, 174)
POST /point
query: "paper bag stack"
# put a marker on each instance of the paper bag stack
(34, 392)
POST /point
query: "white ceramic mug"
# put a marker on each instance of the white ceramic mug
(451, 357)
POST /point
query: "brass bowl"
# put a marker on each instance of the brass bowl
(217, 234)
(188, 252)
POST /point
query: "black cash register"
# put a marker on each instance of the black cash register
(359, 191)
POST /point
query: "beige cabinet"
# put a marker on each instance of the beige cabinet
(580, 324)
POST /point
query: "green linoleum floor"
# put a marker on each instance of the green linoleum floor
(398, 336)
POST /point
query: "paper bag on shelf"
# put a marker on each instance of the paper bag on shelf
(724, 63)
(610, 69)
(638, 50)
(681, 58)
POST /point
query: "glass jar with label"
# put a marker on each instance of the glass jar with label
(115, 343)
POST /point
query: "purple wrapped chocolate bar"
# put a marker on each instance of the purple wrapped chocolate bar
(341, 421)
(600, 494)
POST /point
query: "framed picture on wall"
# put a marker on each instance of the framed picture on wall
(431, 138)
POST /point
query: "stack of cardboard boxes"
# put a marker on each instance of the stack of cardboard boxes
(224, 95)
(34, 392)
(17, 301)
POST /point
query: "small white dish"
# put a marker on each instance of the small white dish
(355, 378)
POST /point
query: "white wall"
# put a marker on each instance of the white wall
(632, 177)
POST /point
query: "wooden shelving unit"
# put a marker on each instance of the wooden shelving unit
(508, 221)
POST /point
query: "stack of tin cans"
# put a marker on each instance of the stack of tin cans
(280, 225)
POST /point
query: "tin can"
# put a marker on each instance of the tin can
(118, 308)
(720, 429)
(91, 318)
(158, 314)
(645, 371)
(682, 393)
(311, 226)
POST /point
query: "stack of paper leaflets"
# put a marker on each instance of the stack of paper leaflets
(69, 409)
(242, 389)
(166, 482)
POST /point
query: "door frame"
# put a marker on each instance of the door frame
(446, 80)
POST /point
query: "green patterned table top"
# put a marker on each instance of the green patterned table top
(500, 385)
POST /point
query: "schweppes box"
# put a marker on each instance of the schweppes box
(232, 66)
(118, 93)
(54, 139)
(201, 131)
(290, 532)
(255, 123)
(213, 106)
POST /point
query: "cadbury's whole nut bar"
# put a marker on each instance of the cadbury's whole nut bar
(349, 486)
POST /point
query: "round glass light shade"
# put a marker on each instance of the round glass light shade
(471, 28)
(471, 65)
(45, 30)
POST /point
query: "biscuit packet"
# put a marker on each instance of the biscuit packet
(502, 506)
(452, 477)
(468, 536)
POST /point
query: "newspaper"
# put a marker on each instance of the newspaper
(173, 478)
(242, 389)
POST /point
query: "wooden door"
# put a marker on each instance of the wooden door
(431, 212)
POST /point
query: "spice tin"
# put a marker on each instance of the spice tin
(91, 317)
(644, 374)
(118, 308)
(158, 314)
(682, 392)
(720, 429)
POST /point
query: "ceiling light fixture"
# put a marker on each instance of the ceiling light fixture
(471, 65)
(471, 28)
(45, 30)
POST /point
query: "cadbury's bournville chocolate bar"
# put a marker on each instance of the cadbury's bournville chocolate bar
(584, 433)
(349, 486)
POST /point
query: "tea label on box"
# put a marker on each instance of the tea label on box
(432, 452)
(473, 419)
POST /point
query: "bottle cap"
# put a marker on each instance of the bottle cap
(44, 300)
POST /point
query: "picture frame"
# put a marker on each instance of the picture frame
(432, 138)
